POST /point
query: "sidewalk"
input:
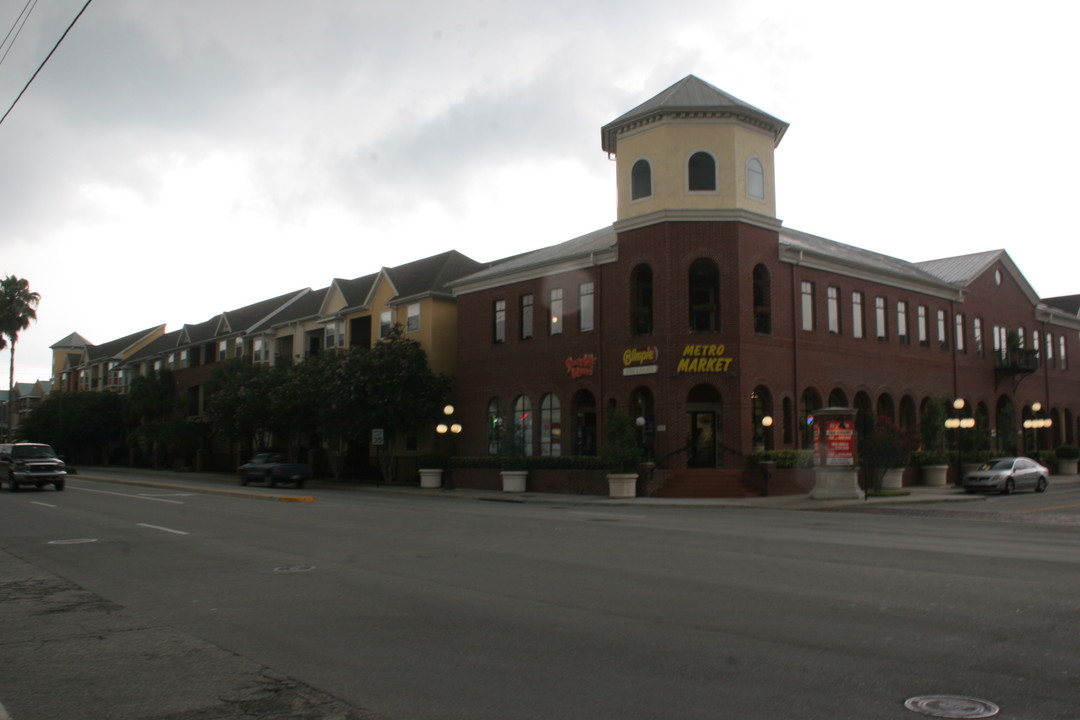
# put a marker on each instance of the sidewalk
(225, 484)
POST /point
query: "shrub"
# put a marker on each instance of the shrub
(1068, 452)
(784, 459)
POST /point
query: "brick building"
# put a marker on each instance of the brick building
(722, 332)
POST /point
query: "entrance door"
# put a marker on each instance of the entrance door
(702, 433)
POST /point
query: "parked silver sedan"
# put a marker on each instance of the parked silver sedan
(1008, 474)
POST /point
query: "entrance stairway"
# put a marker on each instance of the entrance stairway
(706, 483)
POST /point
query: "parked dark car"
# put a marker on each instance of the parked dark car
(272, 469)
(31, 464)
(1008, 474)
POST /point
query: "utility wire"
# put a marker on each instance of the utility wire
(2, 119)
(20, 23)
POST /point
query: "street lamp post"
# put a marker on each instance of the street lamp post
(454, 429)
(1037, 423)
(956, 424)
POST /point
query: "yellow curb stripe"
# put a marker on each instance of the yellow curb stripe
(295, 498)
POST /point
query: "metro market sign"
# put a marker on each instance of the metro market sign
(704, 359)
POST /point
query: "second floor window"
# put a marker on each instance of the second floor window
(704, 296)
(923, 325)
(833, 305)
(555, 319)
(902, 323)
(882, 322)
(807, 305)
(858, 319)
(641, 297)
(586, 308)
(412, 323)
(386, 320)
(977, 336)
(498, 321)
(526, 316)
(960, 331)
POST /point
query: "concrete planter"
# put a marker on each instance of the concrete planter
(1066, 466)
(893, 479)
(622, 485)
(514, 480)
(935, 475)
(430, 477)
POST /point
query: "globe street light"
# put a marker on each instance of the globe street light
(454, 429)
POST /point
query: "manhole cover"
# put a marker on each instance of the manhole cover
(73, 541)
(294, 568)
(951, 706)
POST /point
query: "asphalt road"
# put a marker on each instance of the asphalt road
(364, 605)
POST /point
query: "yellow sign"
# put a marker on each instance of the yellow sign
(704, 359)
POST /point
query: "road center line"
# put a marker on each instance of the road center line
(35, 502)
(163, 529)
(128, 495)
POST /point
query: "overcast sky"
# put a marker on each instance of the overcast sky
(179, 158)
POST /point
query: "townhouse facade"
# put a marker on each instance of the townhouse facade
(287, 328)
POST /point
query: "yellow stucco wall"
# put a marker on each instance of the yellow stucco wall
(668, 146)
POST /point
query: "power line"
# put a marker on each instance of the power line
(17, 27)
(2, 119)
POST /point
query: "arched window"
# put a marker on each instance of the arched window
(641, 180)
(762, 300)
(701, 172)
(494, 424)
(523, 422)
(755, 179)
(704, 296)
(641, 284)
(550, 425)
(838, 398)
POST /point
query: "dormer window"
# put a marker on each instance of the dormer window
(701, 172)
(641, 180)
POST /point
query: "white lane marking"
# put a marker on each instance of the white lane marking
(163, 529)
(127, 495)
(35, 502)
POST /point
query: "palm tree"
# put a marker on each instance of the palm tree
(18, 306)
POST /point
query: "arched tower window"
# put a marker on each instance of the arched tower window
(704, 296)
(701, 172)
(641, 180)
(755, 179)
(762, 300)
(641, 300)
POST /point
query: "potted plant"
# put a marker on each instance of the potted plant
(1067, 456)
(621, 455)
(935, 466)
(513, 461)
(431, 469)
(885, 454)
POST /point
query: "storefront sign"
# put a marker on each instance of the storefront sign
(704, 359)
(582, 366)
(640, 361)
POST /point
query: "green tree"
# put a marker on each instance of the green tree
(239, 402)
(18, 307)
(401, 394)
(84, 426)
